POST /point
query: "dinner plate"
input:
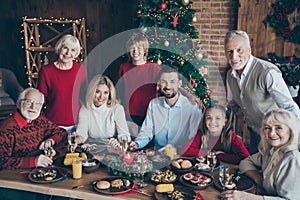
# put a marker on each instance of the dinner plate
(112, 190)
(188, 193)
(47, 174)
(163, 176)
(197, 186)
(203, 166)
(243, 183)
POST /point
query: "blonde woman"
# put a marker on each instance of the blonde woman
(276, 166)
(102, 119)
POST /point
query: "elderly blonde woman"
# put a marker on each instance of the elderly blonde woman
(276, 167)
(62, 81)
(102, 119)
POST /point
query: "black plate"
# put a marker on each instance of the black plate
(244, 183)
(181, 170)
(188, 193)
(194, 185)
(112, 190)
(39, 175)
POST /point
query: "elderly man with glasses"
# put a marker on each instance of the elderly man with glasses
(26, 132)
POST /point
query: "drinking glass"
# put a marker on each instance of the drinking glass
(224, 177)
(212, 159)
(71, 138)
(124, 143)
(142, 161)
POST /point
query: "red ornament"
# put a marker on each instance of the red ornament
(163, 5)
(208, 91)
(175, 20)
(139, 14)
(206, 95)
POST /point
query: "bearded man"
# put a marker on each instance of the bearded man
(171, 118)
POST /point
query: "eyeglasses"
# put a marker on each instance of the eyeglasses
(29, 102)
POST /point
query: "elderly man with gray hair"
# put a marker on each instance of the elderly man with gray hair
(254, 86)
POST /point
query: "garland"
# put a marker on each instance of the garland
(279, 20)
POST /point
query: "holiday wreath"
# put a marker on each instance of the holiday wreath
(280, 22)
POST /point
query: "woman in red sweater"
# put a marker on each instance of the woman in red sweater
(216, 134)
(62, 82)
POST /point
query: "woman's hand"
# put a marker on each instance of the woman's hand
(234, 194)
(78, 140)
(43, 161)
(133, 146)
(114, 143)
(46, 144)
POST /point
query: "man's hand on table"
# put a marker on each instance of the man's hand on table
(43, 161)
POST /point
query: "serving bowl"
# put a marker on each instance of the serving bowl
(90, 165)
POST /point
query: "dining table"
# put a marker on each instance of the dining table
(82, 188)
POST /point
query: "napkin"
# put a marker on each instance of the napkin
(199, 196)
(129, 191)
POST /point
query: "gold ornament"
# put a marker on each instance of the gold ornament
(194, 19)
(159, 62)
(166, 43)
(181, 61)
(185, 2)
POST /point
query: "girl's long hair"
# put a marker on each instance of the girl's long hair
(226, 131)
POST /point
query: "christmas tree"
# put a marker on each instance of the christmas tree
(168, 26)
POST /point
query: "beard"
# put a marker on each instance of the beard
(29, 115)
(168, 95)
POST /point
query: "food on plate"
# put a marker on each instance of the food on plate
(117, 183)
(188, 176)
(182, 164)
(202, 183)
(165, 188)
(103, 185)
(89, 163)
(47, 175)
(201, 159)
(198, 175)
(185, 164)
(52, 153)
(202, 166)
(176, 164)
(126, 182)
(230, 185)
(206, 179)
(176, 195)
(164, 176)
(195, 180)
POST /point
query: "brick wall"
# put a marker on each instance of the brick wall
(214, 19)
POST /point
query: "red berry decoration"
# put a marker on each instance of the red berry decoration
(230, 182)
(163, 5)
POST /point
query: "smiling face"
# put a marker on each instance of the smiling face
(215, 120)
(137, 54)
(67, 53)
(101, 95)
(31, 105)
(169, 84)
(237, 52)
(276, 134)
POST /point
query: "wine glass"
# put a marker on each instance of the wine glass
(124, 143)
(142, 161)
(224, 177)
(71, 141)
(212, 159)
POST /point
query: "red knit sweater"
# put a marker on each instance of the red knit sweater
(137, 86)
(238, 149)
(18, 138)
(62, 90)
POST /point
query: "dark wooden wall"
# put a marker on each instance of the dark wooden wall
(104, 18)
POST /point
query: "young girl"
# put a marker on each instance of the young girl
(216, 134)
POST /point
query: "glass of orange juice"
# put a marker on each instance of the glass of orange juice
(77, 168)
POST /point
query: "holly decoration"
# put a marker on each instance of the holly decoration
(171, 35)
(279, 20)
